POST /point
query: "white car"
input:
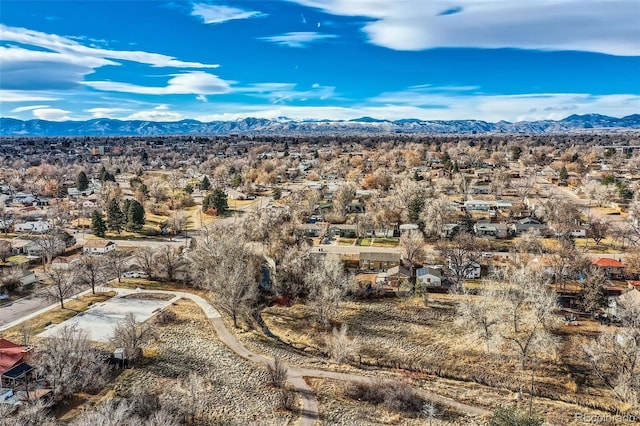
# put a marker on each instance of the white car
(131, 275)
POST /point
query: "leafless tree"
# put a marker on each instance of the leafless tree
(340, 346)
(463, 254)
(51, 244)
(225, 265)
(69, 362)
(290, 272)
(129, 334)
(435, 214)
(116, 261)
(170, 261)
(412, 246)
(479, 318)
(29, 413)
(91, 271)
(526, 317)
(327, 283)
(146, 260)
(598, 230)
(615, 356)
(63, 284)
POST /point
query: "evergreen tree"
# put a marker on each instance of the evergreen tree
(82, 181)
(415, 208)
(135, 216)
(564, 174)
(115, 217)
(98, 226)
(205, 184)
(216, 200)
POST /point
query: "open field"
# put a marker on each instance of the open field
(404, 335)
(235, 392)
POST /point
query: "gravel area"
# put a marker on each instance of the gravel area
(235, 392)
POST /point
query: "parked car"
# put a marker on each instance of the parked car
(131, 274)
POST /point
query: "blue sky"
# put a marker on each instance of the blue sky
(319, 59)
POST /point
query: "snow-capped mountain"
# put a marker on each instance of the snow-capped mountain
(282, 125)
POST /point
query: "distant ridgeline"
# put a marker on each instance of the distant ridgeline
(588, 123)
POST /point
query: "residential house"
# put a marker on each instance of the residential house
(13, 363)
(25, 247)
(487, 229)
(64, 262)
(470, 270)
(527, 224)
(98, 247)
(429, 277)
(343, 230)
(311, 230)
(398, 275)
(38, 226)
(612, 268)
(479, 205)
(578, 232)
(379, 261)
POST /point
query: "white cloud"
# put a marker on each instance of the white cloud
(280, 92)
(29, 108)
(195, 82)
(73, 49)
(298, 39)
(51, 114)
(213, 14)
(159, 113)
(603, 26)
(25, 96)
(534, 106)
(202, 98)
(106, 112)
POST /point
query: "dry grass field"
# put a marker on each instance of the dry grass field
(234, 391)
(423, 344)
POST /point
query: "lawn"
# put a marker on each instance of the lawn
(379, 242)
(346, 241)
(57, 315)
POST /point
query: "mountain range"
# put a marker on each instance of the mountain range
(282, 126)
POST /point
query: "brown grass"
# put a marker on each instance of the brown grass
(403, 335)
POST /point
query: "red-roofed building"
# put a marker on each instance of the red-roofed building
(611, 267)
(12, 358)
(634, 285)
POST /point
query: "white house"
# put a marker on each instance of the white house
(64, 262)
(39, 226)
(98, 247)
(471, 270)
(88, 204)
(429, 276)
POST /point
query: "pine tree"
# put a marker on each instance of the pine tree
(216, 200)
(98, 226)
(115, 217)
(135, 216)
(205, 184)
(82, 181)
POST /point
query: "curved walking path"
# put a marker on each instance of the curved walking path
(295, 375)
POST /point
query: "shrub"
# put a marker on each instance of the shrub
(395, 396)
(277, 373)
(507, 416)
(288, 400)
